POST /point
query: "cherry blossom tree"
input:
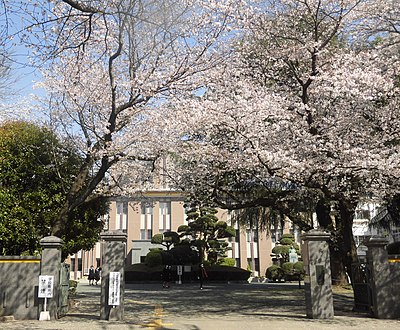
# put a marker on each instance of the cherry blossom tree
(380, 26)
(301, 105)
(109, 65)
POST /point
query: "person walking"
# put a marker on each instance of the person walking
(91, 276)
(202, 275)
(166, 276)
(97, 274)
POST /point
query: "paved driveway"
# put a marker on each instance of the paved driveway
(217, 306)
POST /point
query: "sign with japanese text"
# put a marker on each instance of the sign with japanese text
(114, 288)
(46, 286)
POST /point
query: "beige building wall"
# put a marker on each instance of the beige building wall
(133, 223)
(178, 216)
(265, 249)
(242, 249)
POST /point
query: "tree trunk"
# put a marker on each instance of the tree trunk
(342, 246)
(346, 248)
(80, 191)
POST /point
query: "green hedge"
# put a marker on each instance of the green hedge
(227, 273)
(144, 273)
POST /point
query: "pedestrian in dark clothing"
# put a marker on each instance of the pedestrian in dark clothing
(91, 276)
(166, 276)
(97, 275)
(202, 275)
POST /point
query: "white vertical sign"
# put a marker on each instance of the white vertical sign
(114, 288)
(179, 269)
(46, 286)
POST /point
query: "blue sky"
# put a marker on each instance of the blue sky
(17, 101)
(22, 76)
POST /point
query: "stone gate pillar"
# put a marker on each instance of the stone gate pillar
(384, 280)
(113, 287)
(51, 265)
(317, 280)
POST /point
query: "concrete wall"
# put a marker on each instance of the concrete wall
(139, 250)
(19, 278)
(19, 282)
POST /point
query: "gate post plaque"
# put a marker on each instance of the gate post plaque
(317, 279)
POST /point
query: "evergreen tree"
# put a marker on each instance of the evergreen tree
(36, 171)
(205, 232)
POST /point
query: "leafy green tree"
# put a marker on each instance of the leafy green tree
(36, 172)
(205, 232)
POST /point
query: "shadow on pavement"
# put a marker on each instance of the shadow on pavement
(143, 302)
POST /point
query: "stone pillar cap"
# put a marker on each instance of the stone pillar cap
(51, 241)
(114, 235)
(316, 235)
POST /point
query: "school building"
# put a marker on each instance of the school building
(162, 210)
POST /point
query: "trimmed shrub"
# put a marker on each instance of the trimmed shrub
(230, 262)
(154, 258)
(184, 255)
(299, 268)
(226, 273)
(293, 271)
(274, 273)
(286, 241)
(281, 249)
(287, 268)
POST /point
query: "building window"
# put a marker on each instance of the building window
(121, 220)
(165, 217)
(73, 264)
(251, 235)
(276, 235)
(146, 221)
